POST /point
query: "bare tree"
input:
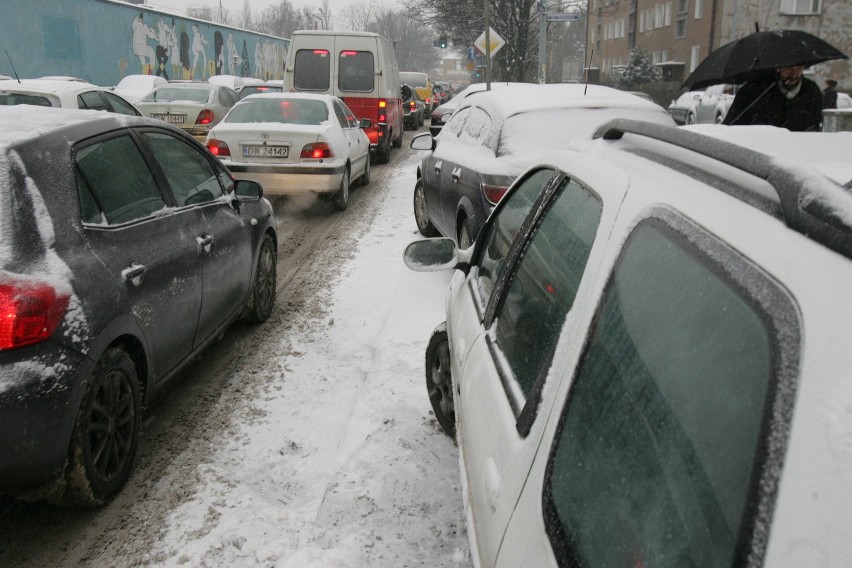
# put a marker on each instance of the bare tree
(283, 19)
(245, 20)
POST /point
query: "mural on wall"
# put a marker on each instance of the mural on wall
(166, 49)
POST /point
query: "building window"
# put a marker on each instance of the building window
(695, 57)
(660, 15)
(682, 6)
(699, 9)
(801, 6)
(668, 15)
(680, 27)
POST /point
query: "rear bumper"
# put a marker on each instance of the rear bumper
(40, 392)
(290, 179)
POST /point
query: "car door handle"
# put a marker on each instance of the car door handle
(204, 243)
(134, 274)
(456, 174)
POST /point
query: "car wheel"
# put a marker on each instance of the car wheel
(341, 198)
(465, 237)
(719, 119)
(690, 118)
(424, 224)
(262, 295)
(439, 381)
(383, 154)
(422, 120)
(397, 142)
(106, 433)
(365, 178)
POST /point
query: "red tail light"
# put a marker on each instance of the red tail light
(383, 116)
(204, 117)
(316, 151)
(29, 313)
(218, 148)
(413, 106)
(428, 100)
(495, 187)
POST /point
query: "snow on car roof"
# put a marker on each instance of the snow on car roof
(25, 122)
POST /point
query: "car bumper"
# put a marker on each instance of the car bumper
(291, 179)
(40, 393)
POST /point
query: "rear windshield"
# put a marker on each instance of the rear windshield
(312, 70)
(254, 89)
(285, 111)
(356, 71)
(23, 99)
(171, 94)
(413, 79)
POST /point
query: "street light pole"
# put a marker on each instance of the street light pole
(542, 42)
(487, 46)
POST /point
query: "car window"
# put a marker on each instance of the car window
(312, 69)
(544, 283)
(350, 116)
(92, 100)
(341, 115)
(119, 105)
(114, 182)
(478, 129)
(171, 94)
(24, 99)
(190, 175)
(501, 231)
(356, 70)
(658, 457)
(455, 125)
(226, 98)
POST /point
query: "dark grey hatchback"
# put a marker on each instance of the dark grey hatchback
(125, 250)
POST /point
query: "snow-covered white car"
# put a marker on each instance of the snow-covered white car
(683, 105)
(194, 106)
(295, 143)
(135, 87)
(646, 356)
(63, 93)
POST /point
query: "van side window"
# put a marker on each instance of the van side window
(357, 71)
(312, 70)
(662, 456)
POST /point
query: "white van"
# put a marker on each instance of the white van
(358, 67)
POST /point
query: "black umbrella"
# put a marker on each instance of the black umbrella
(759, 53)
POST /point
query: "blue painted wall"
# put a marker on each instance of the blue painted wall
(104, 40)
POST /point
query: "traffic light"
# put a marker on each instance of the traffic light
(442, 43)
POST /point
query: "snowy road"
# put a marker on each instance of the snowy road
(304, 442)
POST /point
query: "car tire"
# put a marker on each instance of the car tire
(465, 240)
(365, 177)
(341, 198)
(690, 118)
(422, 120)
(720, 118)
(397, 142)
(106, 433)
(439, 380)
(421, 217)
(262, 296)
(383, 154)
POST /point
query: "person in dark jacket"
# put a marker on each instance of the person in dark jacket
(829, 94)
(783, 98)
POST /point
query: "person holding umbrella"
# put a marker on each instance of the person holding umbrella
(785, 98)
(771, 66)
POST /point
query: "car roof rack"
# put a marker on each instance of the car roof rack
(800, 211)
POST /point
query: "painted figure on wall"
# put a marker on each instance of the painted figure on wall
(162, 49)
(233, 57)
(141, 49)
(198, 51)
(218, 52)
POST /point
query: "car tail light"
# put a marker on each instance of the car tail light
(316, 151)
(412, 106)
(205, 117)
(383, 115)
(29, 313)
(428, 100)
(218, 148)
(494, 187)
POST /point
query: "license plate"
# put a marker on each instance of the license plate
(172, 118)
(266, 151)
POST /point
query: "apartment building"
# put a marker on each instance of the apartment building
(678, 34)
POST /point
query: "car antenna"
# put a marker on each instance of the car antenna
(12, 65)
(588, 68)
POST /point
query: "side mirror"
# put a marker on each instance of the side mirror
(365, 123)
(445, 117)
(248, 191)
(432, 255)
(423, 141)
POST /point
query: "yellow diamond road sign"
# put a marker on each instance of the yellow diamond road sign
(496, 41)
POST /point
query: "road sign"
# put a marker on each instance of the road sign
(564, 17)
(496, 41)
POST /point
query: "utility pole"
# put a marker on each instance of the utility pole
(542, 42)
(487, 46)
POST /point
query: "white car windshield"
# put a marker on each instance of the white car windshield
(285, 111)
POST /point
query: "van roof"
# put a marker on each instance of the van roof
(335, 33)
